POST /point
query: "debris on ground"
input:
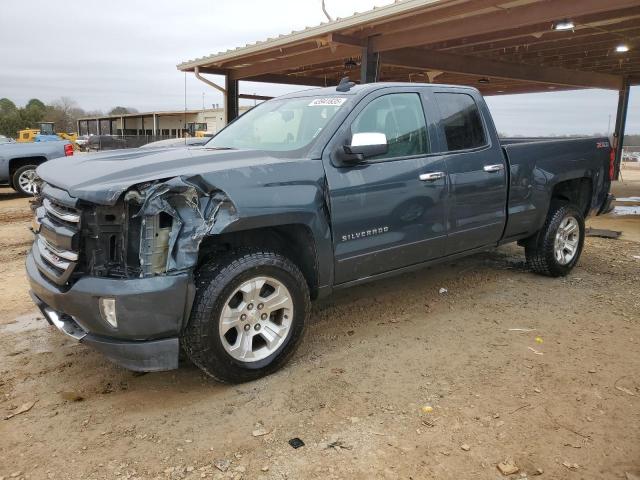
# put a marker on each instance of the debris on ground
(72, 396)
(25, 407)
(337, 445)
(535, 351)
(508, 467)
(465, 447)
(570, 466)
(625, 390)
(622, 388)
(442, 290)
(222, 464)
(602, 233)
(260, 431)
(296, 442)
(523, 330)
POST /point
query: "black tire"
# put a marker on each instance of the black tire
(15, 179)
(540, 249)
(215, 283)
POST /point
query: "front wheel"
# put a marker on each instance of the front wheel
(24, 180)
(555, 250)
(248, 317)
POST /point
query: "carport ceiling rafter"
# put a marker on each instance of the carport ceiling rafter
(510, 42)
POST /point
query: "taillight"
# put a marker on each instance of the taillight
(612, 164)
(68, 150)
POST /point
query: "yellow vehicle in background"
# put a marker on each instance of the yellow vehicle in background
(29, 135)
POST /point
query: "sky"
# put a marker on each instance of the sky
(105, 54)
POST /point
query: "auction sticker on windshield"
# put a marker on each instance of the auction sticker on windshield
(332, 101)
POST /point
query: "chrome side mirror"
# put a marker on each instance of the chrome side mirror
(364, 145)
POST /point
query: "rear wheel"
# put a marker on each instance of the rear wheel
(24, 180)
(248, 317)
(556, 249)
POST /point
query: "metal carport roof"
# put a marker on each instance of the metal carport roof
(498, 46)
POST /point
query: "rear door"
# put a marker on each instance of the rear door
(383, 215)
(476, 168)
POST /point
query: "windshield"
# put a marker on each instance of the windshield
(279, 125)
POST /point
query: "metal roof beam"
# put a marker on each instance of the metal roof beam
(447, 62)
(321, 55)
(290, 80)
(495, 21)
(530, 45)
(538, 33)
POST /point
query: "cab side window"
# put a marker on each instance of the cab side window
(461, 121)
(401, 118)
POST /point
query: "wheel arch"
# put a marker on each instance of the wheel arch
(577, 191)
(294, 241)
(16, 163)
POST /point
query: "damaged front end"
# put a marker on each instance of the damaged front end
(156, 228)
(119, 277)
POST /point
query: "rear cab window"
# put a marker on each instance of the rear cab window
(461, 122)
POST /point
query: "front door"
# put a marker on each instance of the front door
(388, 212)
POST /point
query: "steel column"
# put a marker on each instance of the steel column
(621, 122)
(231, 105)
(369, 65)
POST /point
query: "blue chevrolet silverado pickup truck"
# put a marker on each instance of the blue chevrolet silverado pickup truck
(18, 162)
(219, 249)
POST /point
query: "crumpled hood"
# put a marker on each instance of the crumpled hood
(101, 178)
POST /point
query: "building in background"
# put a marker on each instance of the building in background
(164, 124)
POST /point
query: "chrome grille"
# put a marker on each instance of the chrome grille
(59, 228)
(61, 212)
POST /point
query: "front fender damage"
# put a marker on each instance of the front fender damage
(197, 210)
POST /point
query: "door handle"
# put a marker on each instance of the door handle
(493, 168)
(431, 177)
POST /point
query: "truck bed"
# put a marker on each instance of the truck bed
(537, 163)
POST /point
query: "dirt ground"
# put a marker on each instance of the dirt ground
(395, 380)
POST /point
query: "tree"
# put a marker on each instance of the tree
(33, 113)
(35, 104)
(10, 119)
(64, 113)
(7, 106)
(122, 110)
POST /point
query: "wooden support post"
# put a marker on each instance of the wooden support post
(621, 122)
